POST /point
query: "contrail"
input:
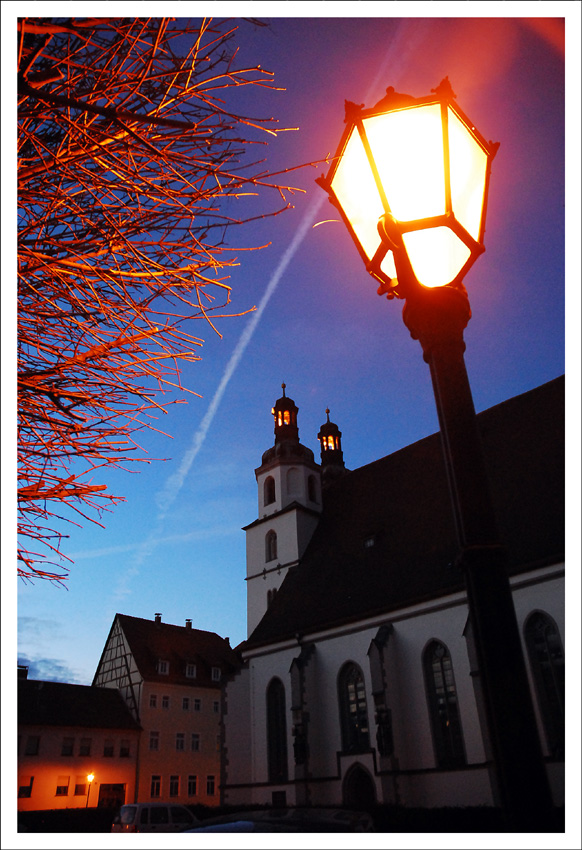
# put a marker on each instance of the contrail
(174, 484)
(167, 496)
(406, 39)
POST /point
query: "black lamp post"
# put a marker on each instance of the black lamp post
(410, 180)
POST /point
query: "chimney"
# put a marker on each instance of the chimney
(22, 671)
(188, 624)
(158, 618)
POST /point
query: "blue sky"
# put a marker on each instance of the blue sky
(175, 545)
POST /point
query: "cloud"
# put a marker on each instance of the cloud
(50, 670)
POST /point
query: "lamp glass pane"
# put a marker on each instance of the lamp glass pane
(468, 176)
(387, 265)
(355, 188)
(437, 255)
(407, 146)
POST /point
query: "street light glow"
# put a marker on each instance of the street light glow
(410, 179)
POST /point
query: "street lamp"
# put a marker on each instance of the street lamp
(90, 778)
(410, 180)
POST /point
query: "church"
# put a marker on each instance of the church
(357, 684)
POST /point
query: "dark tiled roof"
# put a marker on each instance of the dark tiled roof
(150, 641)
(60, 704)
(402, 502)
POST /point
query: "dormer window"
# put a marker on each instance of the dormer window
(191, 671)
(163, 667)
(369, 542)
(216, 674)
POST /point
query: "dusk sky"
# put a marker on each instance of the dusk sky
(175, 545)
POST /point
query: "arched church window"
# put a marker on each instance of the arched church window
(270, 546)
(546, 657)
(276, 731)
(443, 706)
(353, 709)
(269, 490)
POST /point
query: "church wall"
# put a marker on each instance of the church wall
(237, 750)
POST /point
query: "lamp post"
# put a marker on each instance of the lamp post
(90, 778)
(410, 180)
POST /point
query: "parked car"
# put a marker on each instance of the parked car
(289, 820)
(153, 817)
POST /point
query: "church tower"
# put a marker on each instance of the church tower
(289, 496)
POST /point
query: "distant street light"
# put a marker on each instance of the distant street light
(90, 778)
(410, 179)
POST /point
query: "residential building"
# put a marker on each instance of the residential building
(359, 683)
(170, 678)
(67, 733)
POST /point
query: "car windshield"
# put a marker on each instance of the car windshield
(127, 814)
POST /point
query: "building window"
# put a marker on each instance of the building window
(192, 785)
(124, 749)
(216, 707)
(62, 786)
(153, 700)
(25, 786)
(165, 702)
(186, 703)
(271, 595)
(180, 741)
(546, 658)
(269, 491)
(195, 742)
(85, 747)
(353, 709)
(32, 745)
(154, 740)
(276, 731)
(108, 748)
(156, 786)
(174, 786)
(67, 746)
(210, 786)
(163, 667)
(216, 674)
(197, 705)
(270, 546)
(443, 706)
(191, 671)
(80, 787)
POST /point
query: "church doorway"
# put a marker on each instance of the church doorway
(359, 791)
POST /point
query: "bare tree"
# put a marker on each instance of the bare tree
(129, 145)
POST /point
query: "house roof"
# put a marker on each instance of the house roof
(60, 704)
(151, 641)
(386, 537)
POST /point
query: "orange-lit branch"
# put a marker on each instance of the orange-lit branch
(128, 144)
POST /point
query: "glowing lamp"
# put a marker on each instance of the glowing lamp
(410, 180)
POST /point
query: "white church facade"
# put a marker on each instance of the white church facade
(357, 683)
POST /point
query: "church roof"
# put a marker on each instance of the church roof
(151, 641)
(386, 537)
(60, 704)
